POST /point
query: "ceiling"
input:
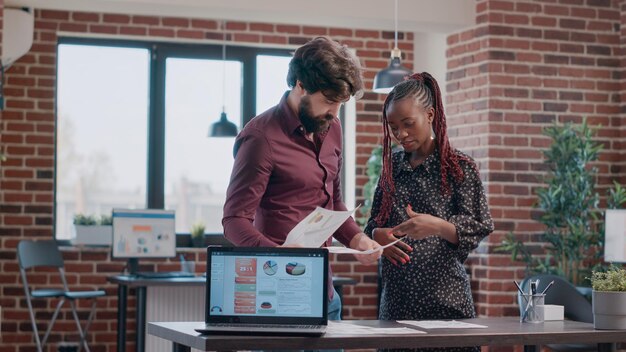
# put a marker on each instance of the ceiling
(429, 16)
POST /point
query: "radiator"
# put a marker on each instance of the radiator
(165, 303)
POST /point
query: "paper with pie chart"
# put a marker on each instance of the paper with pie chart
(317, 227)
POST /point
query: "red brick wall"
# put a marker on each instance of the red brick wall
(26, 178)
(525, 65)
(621, 143)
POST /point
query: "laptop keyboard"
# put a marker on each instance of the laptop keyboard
(265, 326)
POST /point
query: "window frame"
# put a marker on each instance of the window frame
(155, 190)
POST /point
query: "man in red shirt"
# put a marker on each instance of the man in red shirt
(288, 159)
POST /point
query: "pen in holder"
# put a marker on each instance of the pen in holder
(187, 266)
(532, 311)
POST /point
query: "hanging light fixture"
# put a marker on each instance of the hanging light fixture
(395, 73)
(223, 127)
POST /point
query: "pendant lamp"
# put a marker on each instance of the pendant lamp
(395, 73)
(223, 127)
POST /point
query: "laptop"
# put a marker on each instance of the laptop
(266, 290)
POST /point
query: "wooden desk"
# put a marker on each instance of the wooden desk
(500, 331)
(125, 282)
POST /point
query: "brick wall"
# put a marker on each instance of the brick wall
(26, 178)
(621, 143)
(524, 66)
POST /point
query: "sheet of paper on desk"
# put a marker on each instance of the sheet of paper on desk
(345, 250)
(317, 227)
(441, 324)
(337, 327)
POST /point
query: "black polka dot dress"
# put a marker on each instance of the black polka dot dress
(434, 283)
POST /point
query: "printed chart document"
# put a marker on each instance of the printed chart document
(317, 227)
(337, 327)
(345, 250)
(441, 324)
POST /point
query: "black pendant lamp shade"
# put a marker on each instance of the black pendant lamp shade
(390, 76)
(223, 127)
(395, 73)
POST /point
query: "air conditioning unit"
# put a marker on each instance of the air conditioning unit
(17, 34)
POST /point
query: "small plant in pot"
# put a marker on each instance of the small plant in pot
(609, 298)
(197, 234)
(89, 230)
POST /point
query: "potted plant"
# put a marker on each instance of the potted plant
(568, 206)
(609, 298)
(197, 234)
(373, 168)
(90, 230)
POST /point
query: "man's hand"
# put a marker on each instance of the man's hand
(397, 254)
(362, 242)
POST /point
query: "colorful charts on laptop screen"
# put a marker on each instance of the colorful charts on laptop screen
(295, 268)
(270, 267)
(275, 285)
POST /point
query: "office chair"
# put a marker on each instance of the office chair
(575, 306)
(32, 254)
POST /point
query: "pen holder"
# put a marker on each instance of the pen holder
(188, 266)
(532, 308)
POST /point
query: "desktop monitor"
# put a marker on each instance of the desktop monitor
(615, 236)
(143, 233)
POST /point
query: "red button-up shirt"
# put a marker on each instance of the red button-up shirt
(279, 177)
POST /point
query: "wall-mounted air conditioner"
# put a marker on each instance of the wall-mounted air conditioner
(17, 34)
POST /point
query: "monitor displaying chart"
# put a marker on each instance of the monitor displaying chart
(144, 233)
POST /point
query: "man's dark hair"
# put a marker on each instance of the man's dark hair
(324, 65)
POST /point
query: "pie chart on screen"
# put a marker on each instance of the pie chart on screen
(270, 267)
(295, 269)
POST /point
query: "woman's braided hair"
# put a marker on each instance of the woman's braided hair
(423, 88)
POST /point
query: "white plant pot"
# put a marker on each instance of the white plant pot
(93, 235)
(609, 310)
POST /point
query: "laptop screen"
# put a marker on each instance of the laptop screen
(267, 285)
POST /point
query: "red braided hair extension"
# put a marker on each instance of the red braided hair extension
(424, 88)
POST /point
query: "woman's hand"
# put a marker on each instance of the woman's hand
(396, 253)
(420, 226)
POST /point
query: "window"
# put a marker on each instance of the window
(196, 178)
(271, 80)
(102, 128)
(133, 121)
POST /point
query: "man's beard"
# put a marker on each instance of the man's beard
(313, 124)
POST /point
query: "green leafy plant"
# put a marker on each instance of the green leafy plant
(85, 220)
(614, 279)
(91, 220)
(373, 168)
(106, 220)
(616, 196)
(569, 207)
(197, 234)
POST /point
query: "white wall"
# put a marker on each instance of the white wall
(429, 54)
(440, 16)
